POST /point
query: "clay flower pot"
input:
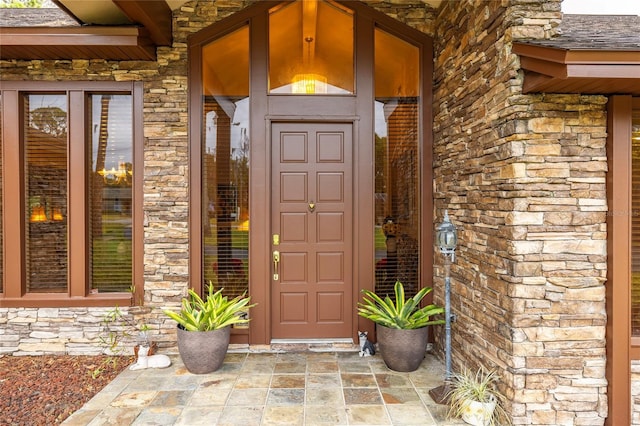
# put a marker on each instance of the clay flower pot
(203, 351)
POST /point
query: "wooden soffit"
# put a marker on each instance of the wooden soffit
(116, 43)
(108, 29)
(556, 70)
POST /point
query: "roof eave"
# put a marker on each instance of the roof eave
(589, 71)
(111, 43)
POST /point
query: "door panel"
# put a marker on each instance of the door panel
(312, 214)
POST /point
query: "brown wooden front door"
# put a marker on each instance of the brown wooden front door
(311, 202)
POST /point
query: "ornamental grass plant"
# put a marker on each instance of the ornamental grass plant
(479, 386)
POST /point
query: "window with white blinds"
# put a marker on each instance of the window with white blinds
(45, 165)
(397, 167)
(111, 192)
(1, 198)
(635, 223)
(225, 165)
(74, 211)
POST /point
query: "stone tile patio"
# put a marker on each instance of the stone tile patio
(264, 388)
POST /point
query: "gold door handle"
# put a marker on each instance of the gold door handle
(276, 263)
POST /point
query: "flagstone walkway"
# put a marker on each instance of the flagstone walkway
(263, 388)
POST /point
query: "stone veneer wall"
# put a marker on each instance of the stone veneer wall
(635, 393)
(523, 177)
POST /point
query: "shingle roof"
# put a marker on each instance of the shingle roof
(596, 32)
(27, 17)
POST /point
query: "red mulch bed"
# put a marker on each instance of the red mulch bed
(45, 390)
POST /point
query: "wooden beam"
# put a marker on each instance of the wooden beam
(618, 286)
(154, 15)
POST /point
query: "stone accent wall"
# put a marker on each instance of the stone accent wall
(71, 331)
(523, 177)
(635, 393)
(414, 13)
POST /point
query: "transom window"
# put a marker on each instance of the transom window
(311, 49)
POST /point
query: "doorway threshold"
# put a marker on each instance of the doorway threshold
(297, 345)
(313, 345)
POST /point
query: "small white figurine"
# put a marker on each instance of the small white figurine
(150, 361)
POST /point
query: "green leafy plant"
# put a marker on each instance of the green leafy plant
(479, 386)
(214, 312)
(401, 313)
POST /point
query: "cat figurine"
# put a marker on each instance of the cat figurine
(150, 361)
(366, 347)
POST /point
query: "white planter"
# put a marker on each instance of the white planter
(478, 413)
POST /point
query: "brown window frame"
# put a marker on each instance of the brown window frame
(13, 237)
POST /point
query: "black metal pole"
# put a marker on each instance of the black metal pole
(441, 394)
(447, 320)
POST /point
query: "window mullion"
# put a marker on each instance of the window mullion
(76, 201)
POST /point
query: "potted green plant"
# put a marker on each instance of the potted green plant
(401, 325)
(204, 328)
(474, 396)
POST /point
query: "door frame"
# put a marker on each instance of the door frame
(358, 198)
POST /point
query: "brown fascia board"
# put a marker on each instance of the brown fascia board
(154, 15)
(118, 43)
(564, 63)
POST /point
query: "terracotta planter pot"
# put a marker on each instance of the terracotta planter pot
(402, 350)
(203, 351)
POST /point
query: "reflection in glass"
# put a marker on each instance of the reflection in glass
(397, 168)
(635, 224)
(111, 193)
(311, 48)
(225, 180)
(45, 142)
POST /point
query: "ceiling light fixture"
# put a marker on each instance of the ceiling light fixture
(309, 82)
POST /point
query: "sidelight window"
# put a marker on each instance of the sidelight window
(397, 167)
(225, 166)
